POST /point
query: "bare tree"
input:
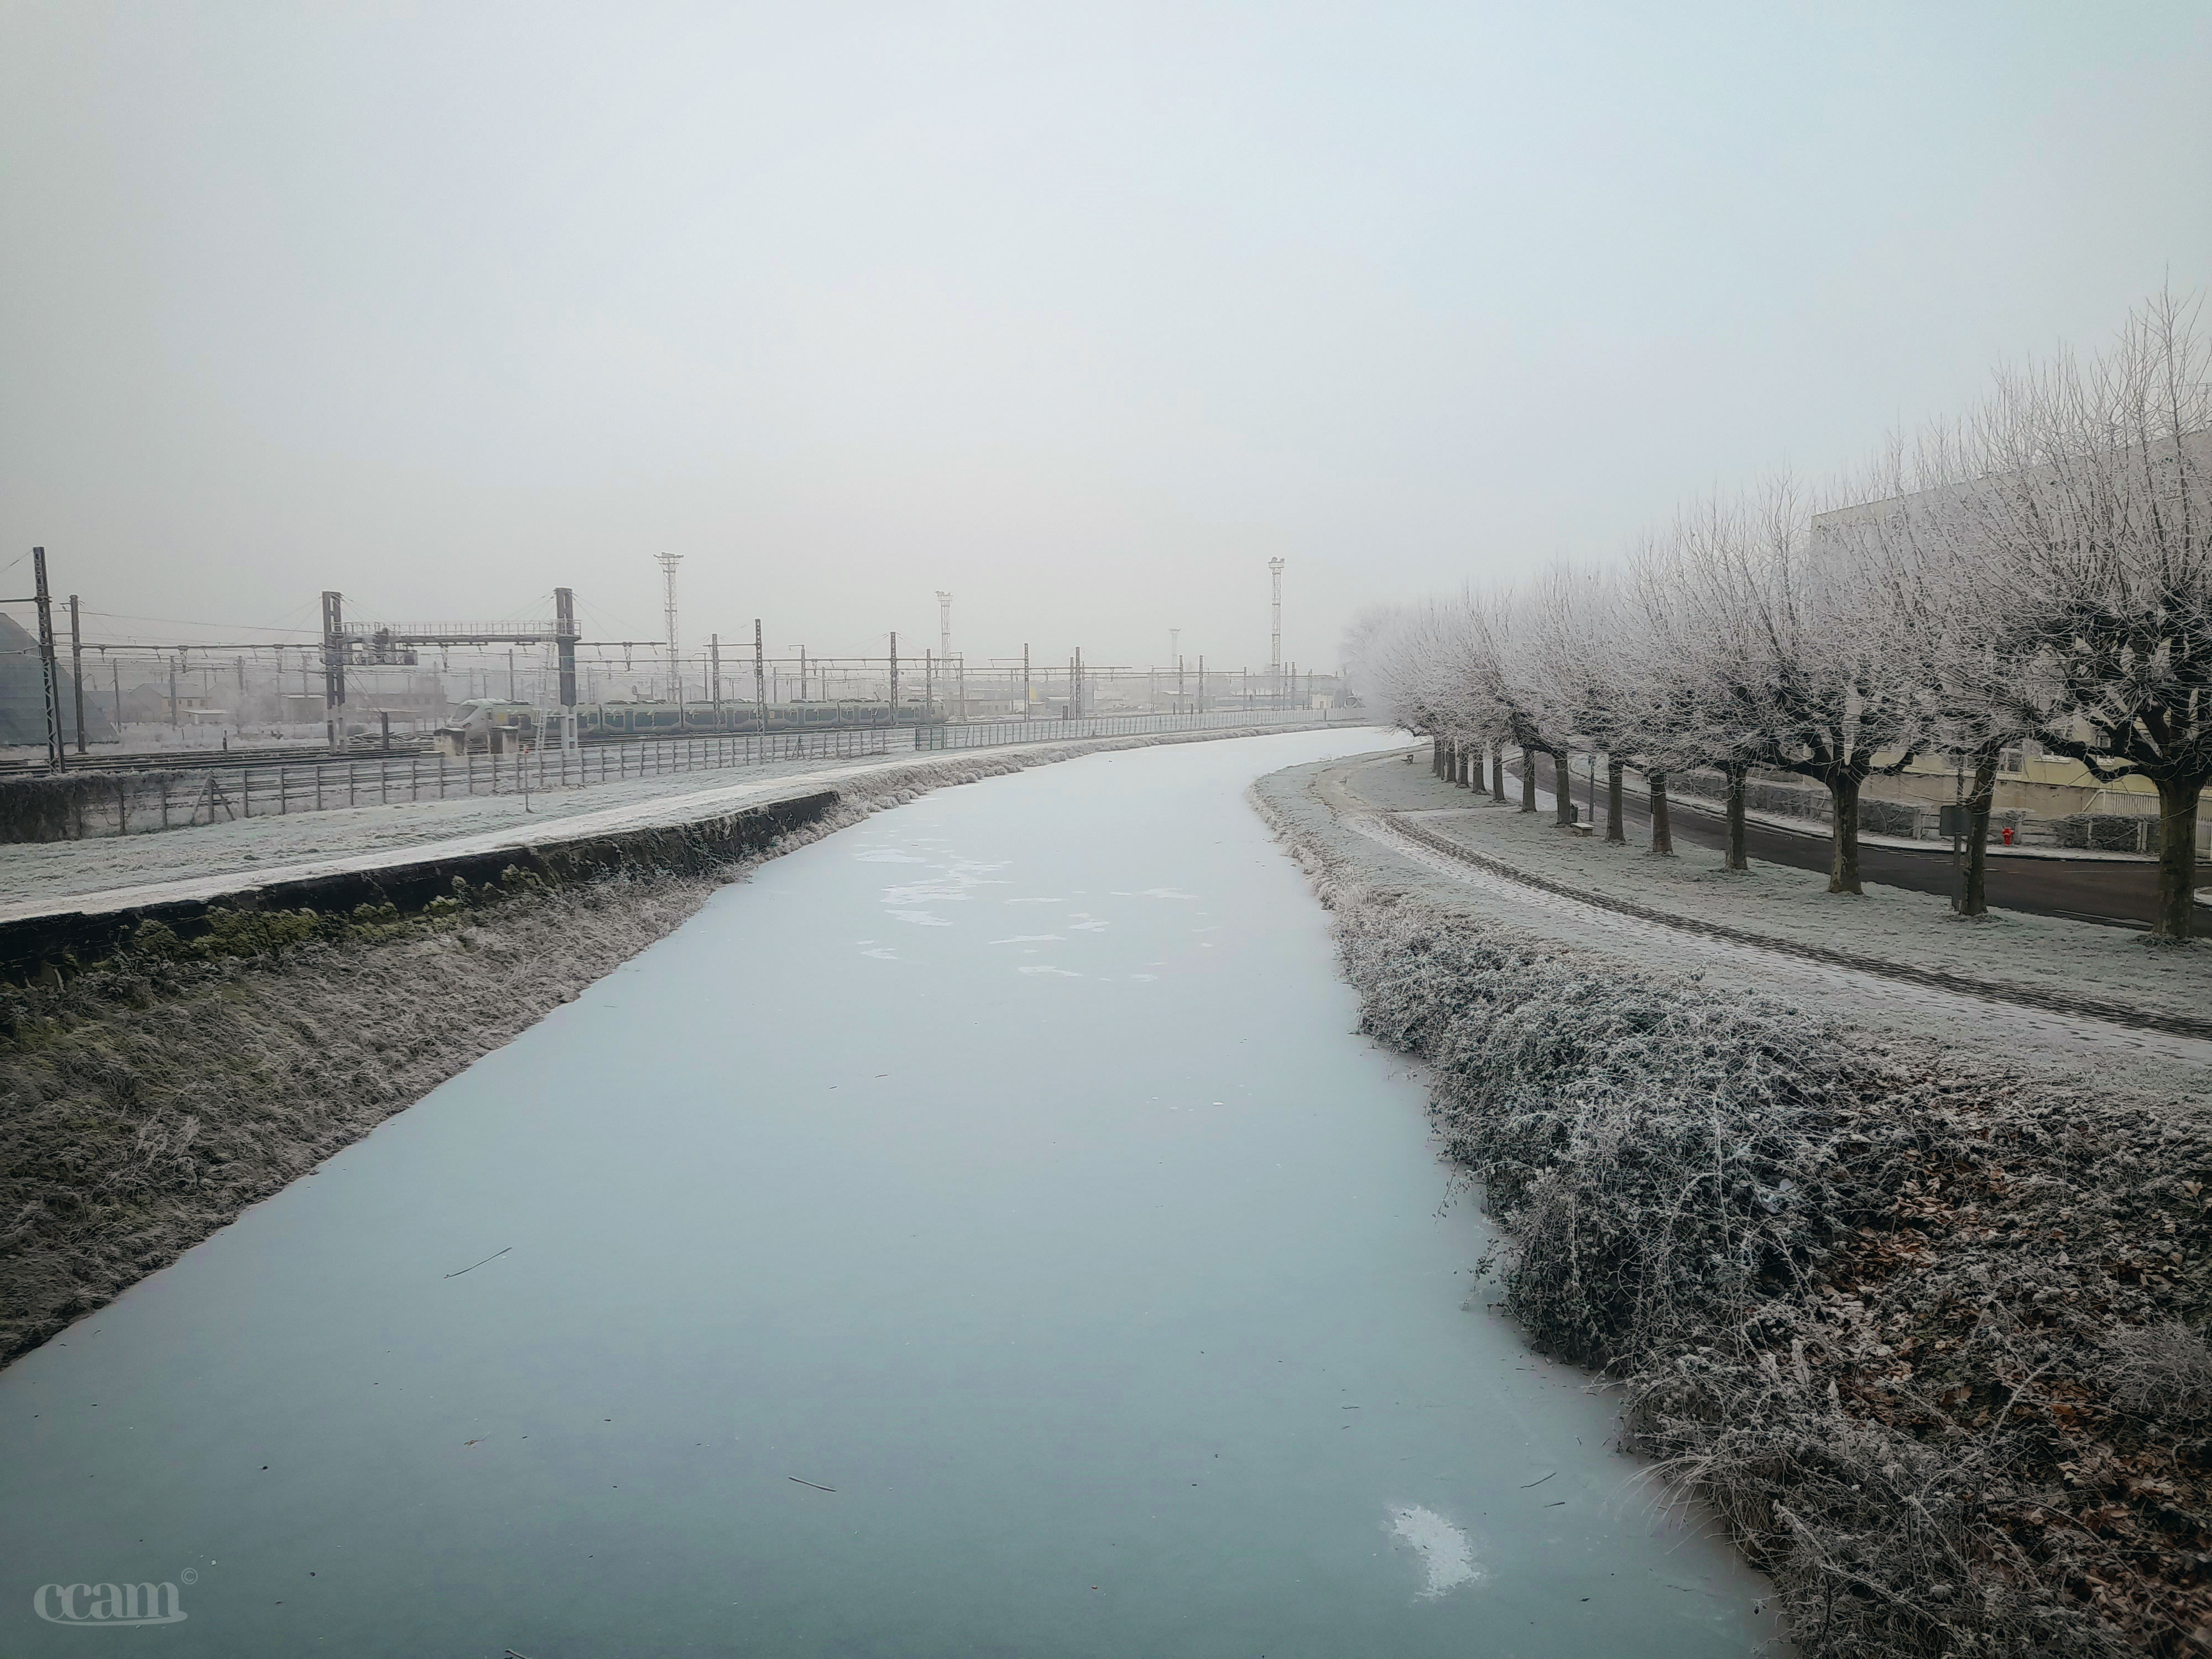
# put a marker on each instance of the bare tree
(1586, 655)
(2097, 510)
(1928, 562)
(2043, 573)
(1697, 706)
(1505, 668)
(1800, 672)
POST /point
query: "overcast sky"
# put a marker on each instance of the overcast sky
(1082, 313)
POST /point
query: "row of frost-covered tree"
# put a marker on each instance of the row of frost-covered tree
(2038, 571)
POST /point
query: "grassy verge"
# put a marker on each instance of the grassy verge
(150, 1101)
(1929, 1335)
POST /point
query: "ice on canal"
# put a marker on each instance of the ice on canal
(980, 1232)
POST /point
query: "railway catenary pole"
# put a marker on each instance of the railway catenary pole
(334, 686)
(714, 676)
(760, 680)
(895, 677)
(1028, 710)
(43, 598)
(76, 671)
(565, 637)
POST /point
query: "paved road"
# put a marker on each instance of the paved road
(2120, 894)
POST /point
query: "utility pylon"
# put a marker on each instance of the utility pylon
(1275, 628)
(760, 680)
(944, 635)
(668, 561)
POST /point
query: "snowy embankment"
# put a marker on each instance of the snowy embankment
(2012, 953)
(149, 1099)
(1922, 1325)
(37, 873)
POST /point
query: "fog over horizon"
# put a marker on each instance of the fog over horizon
(1083, 314)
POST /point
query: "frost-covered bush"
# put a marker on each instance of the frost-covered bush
(1925, 1334)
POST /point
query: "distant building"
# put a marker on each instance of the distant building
(23, 696)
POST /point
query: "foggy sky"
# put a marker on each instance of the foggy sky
(1080, 313)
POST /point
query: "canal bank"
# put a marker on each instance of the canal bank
(1914, 1295)
(980, 1231)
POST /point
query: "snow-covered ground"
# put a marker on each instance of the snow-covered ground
(2036, 954)
(1335, 805)
(45, 870)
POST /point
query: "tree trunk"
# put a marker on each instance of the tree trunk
(1613, 830)
(1563, 789)
(1464, 778)
(1662, 833)
(1437, 758)
(2177, 862)
(1732, 795)
(1975, 901)
(1528, 779)
(1844, 870)
(1497, 775)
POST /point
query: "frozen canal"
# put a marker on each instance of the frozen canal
(981, 1233)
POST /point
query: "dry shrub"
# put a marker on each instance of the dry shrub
(2162, 1372)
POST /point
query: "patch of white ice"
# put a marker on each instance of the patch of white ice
(919, 918)
(1031, 938)
(1447, 1558)
(1039, 967)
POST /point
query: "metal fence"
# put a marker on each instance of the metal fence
(990, 734)
(96, 804)
(86, 805)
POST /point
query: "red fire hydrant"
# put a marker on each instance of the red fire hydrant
(2007, 835)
